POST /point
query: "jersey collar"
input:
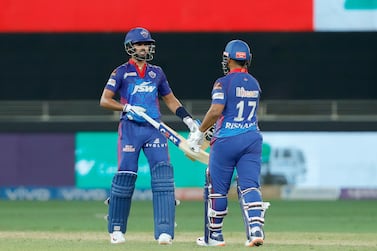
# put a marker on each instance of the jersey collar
(238, 70)
(140, 72)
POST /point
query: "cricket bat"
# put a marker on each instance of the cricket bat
(176, 139)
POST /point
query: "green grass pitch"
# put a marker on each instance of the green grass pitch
(290, 225)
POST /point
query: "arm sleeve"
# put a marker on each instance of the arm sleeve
(115, 80)
(218, 93)
(164, 87)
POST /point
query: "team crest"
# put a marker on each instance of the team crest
(152, 74)
(144, 33)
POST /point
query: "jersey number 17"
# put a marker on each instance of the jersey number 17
(241, 107)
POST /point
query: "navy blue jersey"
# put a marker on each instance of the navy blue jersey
(239, 92)
(139, 88)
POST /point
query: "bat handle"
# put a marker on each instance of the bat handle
(145, 116)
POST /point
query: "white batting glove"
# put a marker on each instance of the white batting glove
(191, 124)
(132, 112)
(195, 140)
(133, 108)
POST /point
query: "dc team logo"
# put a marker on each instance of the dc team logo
(144, 33)
(152, 74)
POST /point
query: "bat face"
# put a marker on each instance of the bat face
(200, 156)
(182, 144)
(169, 134)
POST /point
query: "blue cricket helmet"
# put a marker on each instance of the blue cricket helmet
(236, 50)
(139, 35)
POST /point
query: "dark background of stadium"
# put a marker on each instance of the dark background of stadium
(313, 65)
(66, 66)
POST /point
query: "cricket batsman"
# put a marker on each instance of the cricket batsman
(236, 145)
(139, 85)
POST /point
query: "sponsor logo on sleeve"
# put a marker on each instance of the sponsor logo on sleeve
(218, 86)
(218, 95)
(111, 82)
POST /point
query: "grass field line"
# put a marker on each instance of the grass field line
(287, 238)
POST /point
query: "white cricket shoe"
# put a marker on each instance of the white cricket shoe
(216, 240)
(256, 237)
(117, 237)
(165, 239)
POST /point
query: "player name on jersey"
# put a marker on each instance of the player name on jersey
(242, 93)
(230, 125)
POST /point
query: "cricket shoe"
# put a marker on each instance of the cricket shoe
(256, 237)
(165, 239)
(117, 237)
(215, 239)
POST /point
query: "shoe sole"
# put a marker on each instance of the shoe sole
(118, 242)
(219, 245)
(256, 243)
(206, 245)
(165, 243)
(165, 239)
(117, 239)
(112, 241)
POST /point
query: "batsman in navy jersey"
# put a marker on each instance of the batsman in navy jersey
(139, 86)
(236, 145)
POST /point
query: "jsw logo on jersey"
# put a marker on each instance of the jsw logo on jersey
(143, 87)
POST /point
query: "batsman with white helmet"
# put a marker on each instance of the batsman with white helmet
(236, 145)
(139, 86)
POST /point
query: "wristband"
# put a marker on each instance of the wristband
(182, 112)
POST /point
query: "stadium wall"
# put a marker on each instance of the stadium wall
(295, 165)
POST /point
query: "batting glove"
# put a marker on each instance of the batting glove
(132, 112)
(133, 108)
(195, 140)
(193, 125)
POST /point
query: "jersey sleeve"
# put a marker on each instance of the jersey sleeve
(163, 87)
(115, 80)
(218, 92)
